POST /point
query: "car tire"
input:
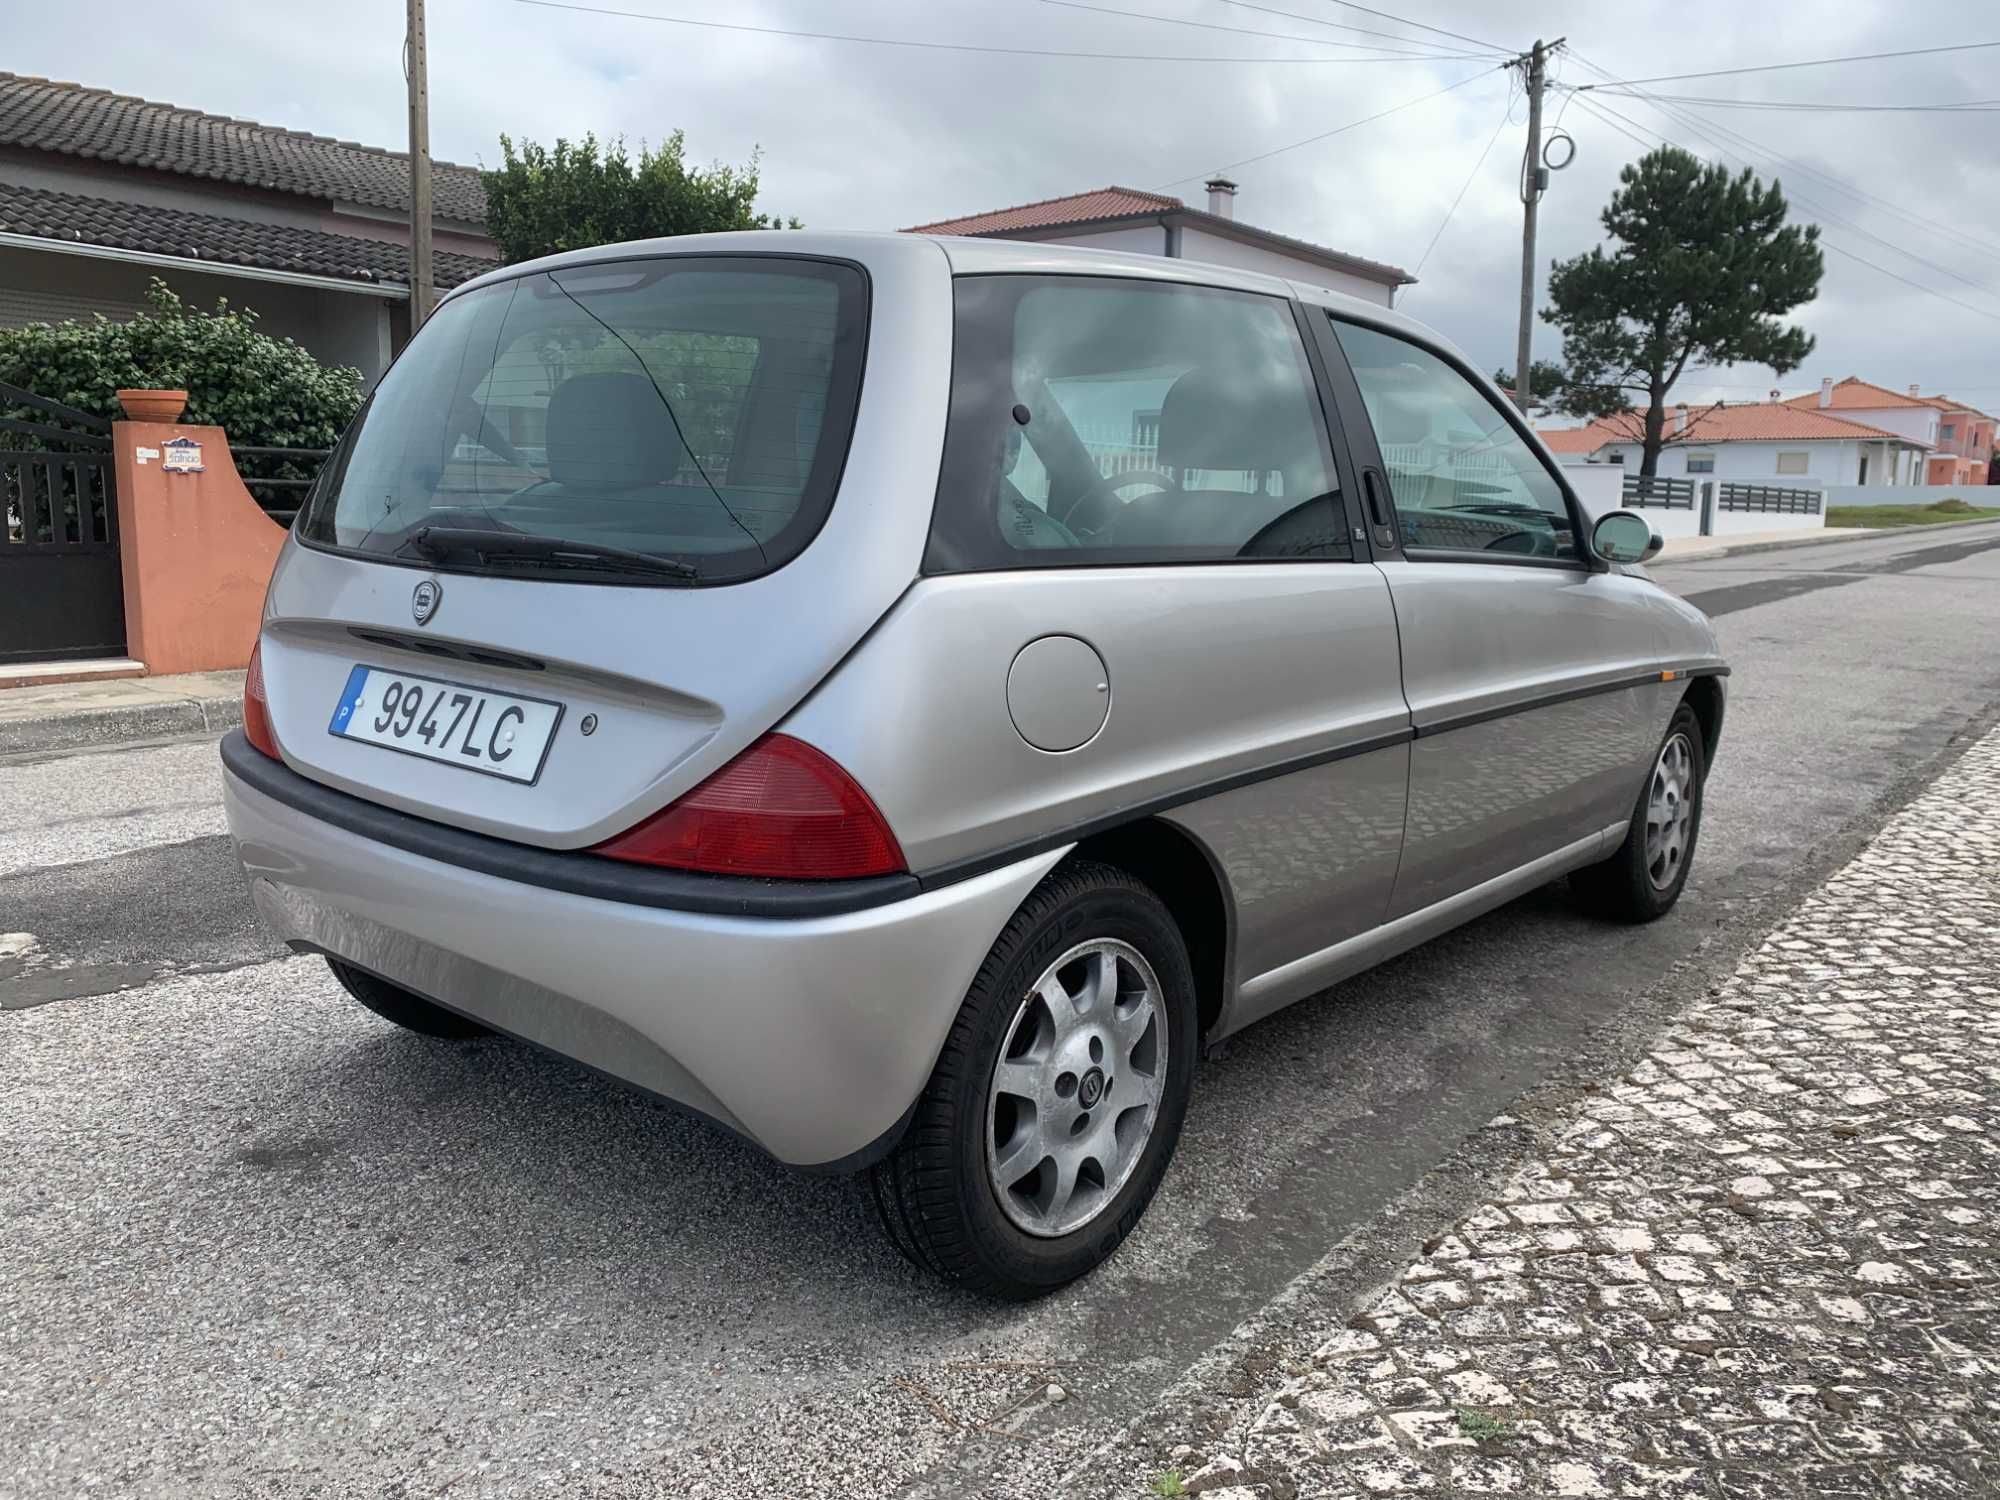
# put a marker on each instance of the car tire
(411, 1011)
(937, 1193)
(1643, 880)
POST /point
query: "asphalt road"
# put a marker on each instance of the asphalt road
(254, 1241)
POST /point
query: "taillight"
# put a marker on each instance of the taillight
(781, 809)
(257, 708)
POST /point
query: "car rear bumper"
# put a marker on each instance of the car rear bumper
(810, 1035)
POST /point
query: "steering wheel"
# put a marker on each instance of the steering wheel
(1524, 542)
(1082, 517)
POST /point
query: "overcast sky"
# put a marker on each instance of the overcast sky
(878, 137)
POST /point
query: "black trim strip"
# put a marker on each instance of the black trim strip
(1564, 695)
(576, 873)
(677, 890)
(980, 864)
(1418, 554)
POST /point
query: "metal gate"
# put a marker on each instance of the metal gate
(61, 595)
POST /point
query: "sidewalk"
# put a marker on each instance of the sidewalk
(1764, 1263)
(78, 715)
(1697, 548)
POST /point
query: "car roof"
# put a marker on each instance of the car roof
(970, 256)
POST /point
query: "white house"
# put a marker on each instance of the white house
(1771, 443)
(1117, 218)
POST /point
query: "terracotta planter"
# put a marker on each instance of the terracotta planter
(153, 406)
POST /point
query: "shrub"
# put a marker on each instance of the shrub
(263, 391)
(577, 193)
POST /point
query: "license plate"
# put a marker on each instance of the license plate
(496, 734)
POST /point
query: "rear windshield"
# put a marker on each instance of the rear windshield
(696, 410)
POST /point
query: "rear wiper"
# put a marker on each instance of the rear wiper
(443, 541)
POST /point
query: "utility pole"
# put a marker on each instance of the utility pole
(1534, 182)
(416, 66)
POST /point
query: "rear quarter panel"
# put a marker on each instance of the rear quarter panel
(680, 679)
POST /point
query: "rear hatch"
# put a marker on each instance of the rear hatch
(582, 547)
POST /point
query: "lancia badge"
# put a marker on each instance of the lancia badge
(424, 602)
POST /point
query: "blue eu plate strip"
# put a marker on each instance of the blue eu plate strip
(349, 696)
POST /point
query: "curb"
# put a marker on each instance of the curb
(1820, 538)
(97, 727)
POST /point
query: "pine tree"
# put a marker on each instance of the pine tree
(1702, 272)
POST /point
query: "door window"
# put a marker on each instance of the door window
(1096, 420)
(1463, 478)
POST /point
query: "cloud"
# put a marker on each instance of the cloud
(877, 137)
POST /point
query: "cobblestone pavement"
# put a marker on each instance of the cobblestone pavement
(1760, 1264)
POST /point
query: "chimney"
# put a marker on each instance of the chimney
(1826, 390)
(1680, 420)
(1913, 391)
(1221, 197)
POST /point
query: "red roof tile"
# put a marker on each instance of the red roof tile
(1112, 204)
(1856, 394)
(1945, 403)
(1077, 208)
(1760, 422)
(1572, 439)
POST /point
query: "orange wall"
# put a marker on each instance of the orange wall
(197, 553)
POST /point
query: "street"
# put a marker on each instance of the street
(257, 1241)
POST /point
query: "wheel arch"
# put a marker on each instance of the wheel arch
(1185, 874)
(1704, 696)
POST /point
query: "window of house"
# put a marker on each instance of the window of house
(1462, 476)
(1701, 463)
(1947, 432)
(1096, 420)
(1794, 463)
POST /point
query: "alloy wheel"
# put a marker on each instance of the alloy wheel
(1670, 811)
(1076, 1091)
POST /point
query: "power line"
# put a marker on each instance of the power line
(889, 41)
(1280, 36)
(1687, 122)
(1840, 250)
(1819, 209)
(1329, 134)
(1491, 141)
(1968, 106)
(1847, 189)
(1933, 291)
(1817, 62)
(1860, 195)
(1383, 15)
(1394, 36)
(1604, 118)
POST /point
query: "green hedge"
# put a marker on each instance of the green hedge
(263, 391)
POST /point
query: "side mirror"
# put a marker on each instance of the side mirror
(1623, 536)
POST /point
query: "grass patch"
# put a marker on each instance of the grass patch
(1481, 1426)
(1170, 1483)
(1953, 509)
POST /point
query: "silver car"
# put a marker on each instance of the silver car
(905, 698)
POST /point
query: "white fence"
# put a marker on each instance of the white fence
(1601, 488)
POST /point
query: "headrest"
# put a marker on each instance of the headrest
(1227, 419)
(611, 431)
(1400, 419)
